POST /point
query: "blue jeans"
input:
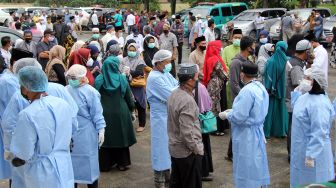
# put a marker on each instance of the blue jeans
(258, 32)
(318, 31)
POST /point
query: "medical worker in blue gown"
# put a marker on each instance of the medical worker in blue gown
(160, 84)
(311, 155)
(250, 165)
(17, 103)
(91, 127)
(41, 139)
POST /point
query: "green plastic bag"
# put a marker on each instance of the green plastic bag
(208, 122)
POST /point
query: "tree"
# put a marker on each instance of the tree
(173, 6)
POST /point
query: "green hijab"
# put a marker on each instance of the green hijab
(110, 78)
(275, 71)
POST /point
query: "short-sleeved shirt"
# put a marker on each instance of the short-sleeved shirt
(259, 22)
(41, 47)
(168, 42)
(194, 29)
(287, 23)
(118, 20)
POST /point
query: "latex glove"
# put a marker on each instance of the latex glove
(223, 115)
(309, 162)
(8, 155)
(101, 137)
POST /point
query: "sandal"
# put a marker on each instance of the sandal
(140, 129)
(122, 168)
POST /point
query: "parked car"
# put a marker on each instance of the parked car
(245, 20)
(13, 34)
(5, 17)
(304, 14)
(221, 13)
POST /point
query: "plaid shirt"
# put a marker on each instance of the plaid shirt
(179, 35)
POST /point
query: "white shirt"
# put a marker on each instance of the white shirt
(77, 19)
(259, 22)
(6, 55)
(121, 41)
(94, 19)
(41, 27)
(106, 38)
(209, 34)
(139, 41)
(130, 20)
(321, 59)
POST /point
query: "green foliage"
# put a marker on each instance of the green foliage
(330, 6)
(154, 5)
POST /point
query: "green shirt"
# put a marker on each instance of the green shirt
(228, 53)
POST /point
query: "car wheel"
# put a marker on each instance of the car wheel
(253, 34)
(5, 24)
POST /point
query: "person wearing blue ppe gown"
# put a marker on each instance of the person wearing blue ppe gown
(250, 165)
(91, 123)
(160, 84)
(313, 115)
(41, 140)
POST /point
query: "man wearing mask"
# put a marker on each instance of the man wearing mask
(197, 56)
(27, 44)
(247, 46)
(159, 27)
(184, 131)
(168, 41)
(61, 30)
(119, 36)
(178, 29)
(318, 29)
(209, 32)
(152, 24)
(230, 28)
(135, 35)
(232, 50)
(321, 60)
(294, 77)
(110, 35)
(43, 48)
(6, 46)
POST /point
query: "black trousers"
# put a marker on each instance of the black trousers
(93, 185)
(179, 50)
(108, 157)
(229, 152)
(207, 165)
(223, 124)
(186, 172)
(290, 115)
(141, 114)
(173, 70)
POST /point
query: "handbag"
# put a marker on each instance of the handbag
(139, 81)
(207, 119)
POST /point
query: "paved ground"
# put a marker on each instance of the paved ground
(140, 173)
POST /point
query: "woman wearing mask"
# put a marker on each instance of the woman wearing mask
(265, 52)
(276, 122)
(94, 63)
(119, 133)
(263, 39)
(128, 42)
(149, 50)
(55, 68)
(311, 149)
(134, 69)
(91, 127)
(81, 57)
(215, 78)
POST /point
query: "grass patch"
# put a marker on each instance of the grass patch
(330, 6)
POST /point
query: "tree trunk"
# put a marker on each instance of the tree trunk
(173, 6)
(146, 5)
(265, 4)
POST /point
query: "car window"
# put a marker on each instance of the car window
(265, 14)
(202, 11)
(281, 13)
(11, 35)
(273, 13)
(226, 11)
(214, 12)
(237, 9)
(324, 13)
(246, 16)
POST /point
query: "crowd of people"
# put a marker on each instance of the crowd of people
(67, 109)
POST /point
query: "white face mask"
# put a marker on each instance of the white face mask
(51, 39)
(263, 40)
(90, 62)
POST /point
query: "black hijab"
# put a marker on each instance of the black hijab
(148, 53)
(126, 46)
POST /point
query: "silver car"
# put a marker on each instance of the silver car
(245, 20)
(304, 14)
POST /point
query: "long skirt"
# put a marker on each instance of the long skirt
(223, 124)
(333, 56)
(108, 157)
(207, 165)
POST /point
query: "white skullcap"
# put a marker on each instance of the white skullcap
(173, 16)
(24, 62)
(76, 70)
(161, 55)
(303, 45)
(198, 16)
(95, 29)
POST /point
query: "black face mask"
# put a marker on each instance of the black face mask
(178, 22)
(28, 40)
(270, 53)
(252, 51)
(202, 48)
(165, 31)
(94, 57)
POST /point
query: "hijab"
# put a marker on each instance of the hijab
(148, 53)
(133, 62)
(110, 78)
(126, 46)
(275, 71)
(79, 44)
(81, 57)
(212, 56)
(263, 52)
(57, 52)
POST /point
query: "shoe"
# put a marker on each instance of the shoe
(208, 178)
(140, 129)
(122, 168)
(228, 159)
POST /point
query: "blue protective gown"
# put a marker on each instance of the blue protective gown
(9, 84)
(85, 142)
(158, 89)
(250, 165)
(42, 138)
(10, 117)
(311, 124)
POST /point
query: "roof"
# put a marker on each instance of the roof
(230, 4)
(263, 9)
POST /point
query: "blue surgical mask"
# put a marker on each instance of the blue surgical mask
(131, 54)
(236, 42)
(168, 68)
(74, 83)
(151, 45)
